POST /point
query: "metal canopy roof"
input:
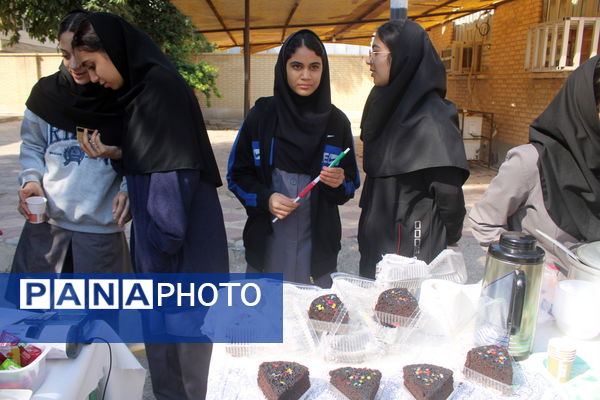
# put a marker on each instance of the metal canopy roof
(341, 21)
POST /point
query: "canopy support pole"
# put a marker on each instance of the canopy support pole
(246, 57)
(398, 9)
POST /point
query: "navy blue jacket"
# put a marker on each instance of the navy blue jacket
(177, 223)
(249, 177)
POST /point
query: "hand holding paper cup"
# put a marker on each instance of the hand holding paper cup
(37, 209)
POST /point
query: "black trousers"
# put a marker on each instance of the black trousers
(179, 371)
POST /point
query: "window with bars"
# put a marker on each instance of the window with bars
(471, 36)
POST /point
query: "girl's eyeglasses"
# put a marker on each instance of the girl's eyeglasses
(372, 53)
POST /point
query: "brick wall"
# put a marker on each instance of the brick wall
(513, 95)
(441, 36)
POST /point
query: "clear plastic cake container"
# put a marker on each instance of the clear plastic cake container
(397, 271)
(334, 327)
(299, 335)
(449, 265)
(242, 343)
(519, 380)
(240, 381)
(405, 394)
(358, 293)
(246, 349)
(398, 321)
(297, 295)
(342, 279)
(29, 377)
(320, 327)
(300, 287)
(396, 267)
(354, 289)
(402, 328)
(412, 285)
(488, 382)
(386, 391)
(354, 347)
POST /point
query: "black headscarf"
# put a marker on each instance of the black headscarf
(165, 127)
(408, 125)
(64, 104)
(301, 120)
(567, 138)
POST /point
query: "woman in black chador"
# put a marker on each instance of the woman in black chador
(414, 159)
(171, 175)
(286, 141)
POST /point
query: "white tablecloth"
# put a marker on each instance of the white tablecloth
(74, 379)
(585, 375)
(236, 377)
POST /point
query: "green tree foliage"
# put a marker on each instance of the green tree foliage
(169, 28)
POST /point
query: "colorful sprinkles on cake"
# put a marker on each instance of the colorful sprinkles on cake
(495, 353)
(355, 379)
(328, 301)
(426, 376)
(279, 376)
(399, 294)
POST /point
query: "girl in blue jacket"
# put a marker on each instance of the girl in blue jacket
(285, 142)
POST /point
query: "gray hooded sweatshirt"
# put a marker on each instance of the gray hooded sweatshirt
(79, 189)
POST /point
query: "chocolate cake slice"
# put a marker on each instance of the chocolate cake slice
(356, 383)
(396, 302)
(283, 380)
(492, 361)
(327, 308)
(428, 382)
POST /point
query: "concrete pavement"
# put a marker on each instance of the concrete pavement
(11, 223)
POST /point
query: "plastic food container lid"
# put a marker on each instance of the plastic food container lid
(589, 253)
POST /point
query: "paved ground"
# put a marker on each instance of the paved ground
(222, 138)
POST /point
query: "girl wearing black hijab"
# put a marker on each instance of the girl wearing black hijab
(286, 141)
(171, 175)
(414, 159)
(87, 202)
(552, 183)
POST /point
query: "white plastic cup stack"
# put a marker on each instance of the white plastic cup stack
(37, 209)
(575, 308)
(561, 354)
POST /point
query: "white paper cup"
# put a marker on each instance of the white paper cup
(37, 209)
(561, 354)
(562, 348)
